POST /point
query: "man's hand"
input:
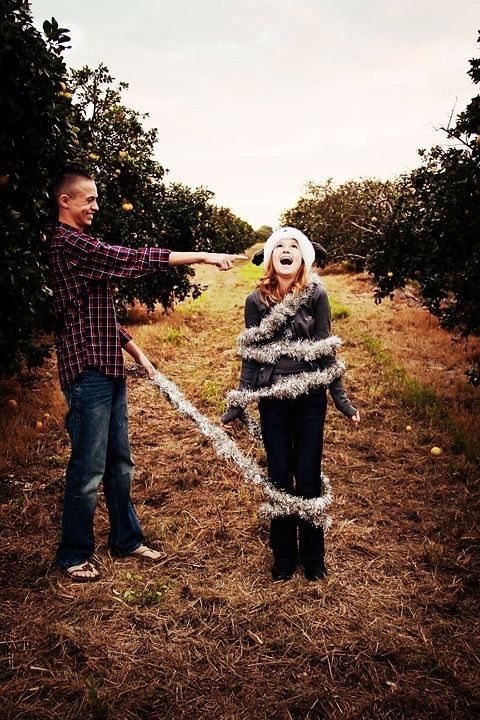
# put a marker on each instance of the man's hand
(224, 261)
(140, 358)
(145, 363)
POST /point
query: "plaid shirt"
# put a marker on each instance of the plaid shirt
(87, 329)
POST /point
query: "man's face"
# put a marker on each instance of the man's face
(78, 206)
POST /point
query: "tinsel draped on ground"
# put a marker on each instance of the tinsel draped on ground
(277, 501)
(264, 344)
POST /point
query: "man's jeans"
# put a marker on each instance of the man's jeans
(97, 422)
(292, 431)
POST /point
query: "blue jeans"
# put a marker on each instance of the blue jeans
(97, 422)
(292, 431)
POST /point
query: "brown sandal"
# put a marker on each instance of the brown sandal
(85, 567)
(142, 552)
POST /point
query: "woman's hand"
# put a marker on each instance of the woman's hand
(233, 412)
(355, 419)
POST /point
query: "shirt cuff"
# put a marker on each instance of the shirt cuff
(125, 336)
(158, 258)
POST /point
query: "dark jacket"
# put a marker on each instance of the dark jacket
(311, 322)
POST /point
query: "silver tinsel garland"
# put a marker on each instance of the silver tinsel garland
(278, 502)
(291, 386)
(257, 343)
(307, 350)
(278, 316)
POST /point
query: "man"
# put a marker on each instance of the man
(92, 372)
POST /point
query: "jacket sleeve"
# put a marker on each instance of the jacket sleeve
(340, 398)
(322, 330)
(250, 368)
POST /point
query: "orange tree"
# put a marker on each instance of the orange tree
(433, 234)
(36, 139)
(42, 131)
(137, 208)
(263, 233)
(346, 219)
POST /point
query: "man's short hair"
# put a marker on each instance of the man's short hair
(66, 180)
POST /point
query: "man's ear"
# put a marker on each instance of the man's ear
(63, 200)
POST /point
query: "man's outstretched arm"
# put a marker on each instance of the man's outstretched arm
(224, 261)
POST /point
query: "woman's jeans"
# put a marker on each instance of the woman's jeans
(292, 431)
(97, 422)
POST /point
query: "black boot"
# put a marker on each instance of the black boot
(283, 541)
(314, 570)
(312, 550)
(282, 572)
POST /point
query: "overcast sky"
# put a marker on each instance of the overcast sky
(254, 98)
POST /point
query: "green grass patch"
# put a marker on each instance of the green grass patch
(193, 306)
(250, 273)
(409, 391)
(420, 399)
(416, 395)
(375, 348)
(339, 311)
(140, 593)
(57, 461)
(213, 393)
(173, 336)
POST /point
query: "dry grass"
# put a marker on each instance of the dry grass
(392, 633)
(30, 415)
(414, 341)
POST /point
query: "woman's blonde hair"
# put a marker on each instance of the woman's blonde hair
(268, 283)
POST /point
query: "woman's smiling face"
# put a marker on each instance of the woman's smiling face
(287, 258)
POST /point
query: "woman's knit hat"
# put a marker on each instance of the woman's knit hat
(320, 254)
(284, 233)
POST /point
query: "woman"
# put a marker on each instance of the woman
(288, 348)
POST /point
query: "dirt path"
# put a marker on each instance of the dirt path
(392, 633)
